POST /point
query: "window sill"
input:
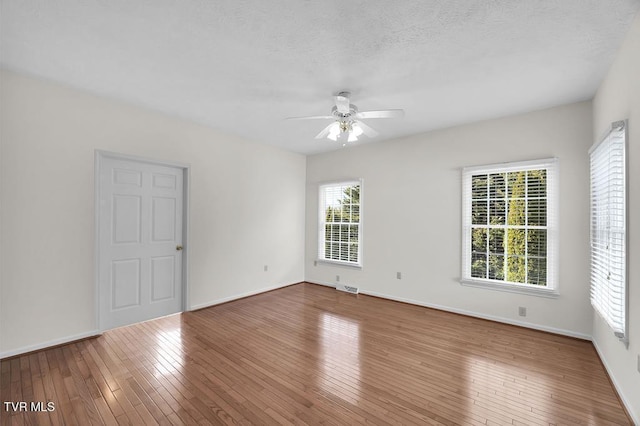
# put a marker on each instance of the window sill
(340, 263)
(512, 288)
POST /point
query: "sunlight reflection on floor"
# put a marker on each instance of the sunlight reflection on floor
(340, 355)
(170, 356)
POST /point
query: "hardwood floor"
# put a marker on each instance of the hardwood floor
(308, 354)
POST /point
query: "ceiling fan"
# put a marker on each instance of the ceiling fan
(348, 122)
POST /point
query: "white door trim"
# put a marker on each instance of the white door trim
(99, 157)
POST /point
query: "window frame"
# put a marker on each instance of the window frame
(551, 289)
(322, 223)
(614, 219)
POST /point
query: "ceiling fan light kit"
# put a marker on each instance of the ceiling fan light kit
(348, 125)
(352, 129)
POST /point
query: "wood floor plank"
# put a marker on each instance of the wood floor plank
(308, 354)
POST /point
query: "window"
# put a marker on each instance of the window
(340, 223)
(509, 226)
(608, 224)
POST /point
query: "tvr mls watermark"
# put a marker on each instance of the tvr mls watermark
(37, 406)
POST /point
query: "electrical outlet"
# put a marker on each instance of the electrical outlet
(337, 278)
(522, 311)
(266, 268)
(315, 263)
(638, 363)
(399, 275)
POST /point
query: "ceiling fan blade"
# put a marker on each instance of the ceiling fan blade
(312, 117)
(324, 132)
(342, 102)
(367, 130)
(386, 113)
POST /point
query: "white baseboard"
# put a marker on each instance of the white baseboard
(237, 296)
(48, 344)
(470, 313)
(324, 283)
(92, 333)
(624, 400)
(483, 316)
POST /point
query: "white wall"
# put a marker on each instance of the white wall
(618, 98)
(412, 215)
(247, 207)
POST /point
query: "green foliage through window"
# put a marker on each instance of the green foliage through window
(509, 226)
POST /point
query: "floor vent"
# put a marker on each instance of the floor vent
(347, 288)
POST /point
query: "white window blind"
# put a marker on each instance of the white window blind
(339, 223)
(510, 226)
(608, 229)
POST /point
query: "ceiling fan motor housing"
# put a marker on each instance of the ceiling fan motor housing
(353, 110)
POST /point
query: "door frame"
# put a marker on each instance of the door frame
(99, 157)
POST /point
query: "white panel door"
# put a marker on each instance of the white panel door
(140, 241)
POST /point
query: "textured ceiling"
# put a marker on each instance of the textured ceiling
(244, 65)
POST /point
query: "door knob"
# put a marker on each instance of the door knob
(178, 247)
